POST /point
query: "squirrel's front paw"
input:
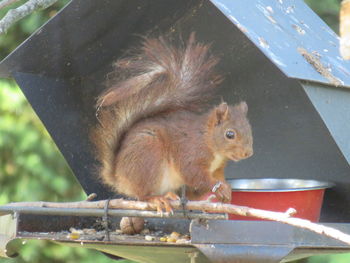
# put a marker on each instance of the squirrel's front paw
(222, 191)
(163, 202)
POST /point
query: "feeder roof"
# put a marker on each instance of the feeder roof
(288, 32)
(292, 36)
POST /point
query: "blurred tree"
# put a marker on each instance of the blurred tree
(32, 168)
(30, 161)
(23, 28)
(328, 10)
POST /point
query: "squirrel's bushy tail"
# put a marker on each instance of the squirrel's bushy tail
(159, 79)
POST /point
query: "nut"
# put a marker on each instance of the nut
(170, 240)
(183, 241)
(73, 230)
(89, 231)
(187, 237)
(131, 225)
(118, 232)
(73, 235)
(175, 235)
(145, 231)
(149, 238)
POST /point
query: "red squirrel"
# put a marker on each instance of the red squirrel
(154, 136)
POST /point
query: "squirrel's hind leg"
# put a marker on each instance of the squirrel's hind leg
(145, 167)
(140, 164)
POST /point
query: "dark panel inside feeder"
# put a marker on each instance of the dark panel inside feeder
(79, 40)
(65, 108)
(289, 136)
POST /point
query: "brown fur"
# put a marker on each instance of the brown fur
(153, 138)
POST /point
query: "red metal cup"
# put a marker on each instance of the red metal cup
(305, 196)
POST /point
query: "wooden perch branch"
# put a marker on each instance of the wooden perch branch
(13, 15)
(203, 205)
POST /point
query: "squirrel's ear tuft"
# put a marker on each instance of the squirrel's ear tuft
(243, 107)
(221, 112)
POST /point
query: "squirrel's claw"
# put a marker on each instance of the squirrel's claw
(172, 196)
(163, 202)
(224, 192)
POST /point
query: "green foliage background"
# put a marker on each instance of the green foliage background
(31, 167)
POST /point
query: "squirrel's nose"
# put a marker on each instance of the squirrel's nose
(248, 153)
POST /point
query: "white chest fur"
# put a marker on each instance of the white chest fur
(216, 163)
(171, 180)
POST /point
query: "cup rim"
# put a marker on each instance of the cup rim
(277, 185)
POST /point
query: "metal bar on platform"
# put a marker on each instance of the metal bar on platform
(111, 212)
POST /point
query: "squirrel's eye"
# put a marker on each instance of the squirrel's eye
(230, 134)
